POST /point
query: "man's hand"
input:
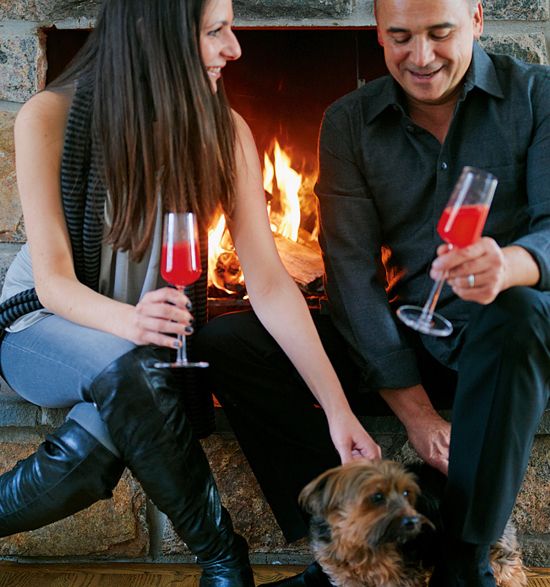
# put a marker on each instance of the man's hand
(430, 437)
(428, 433)
(478, 273)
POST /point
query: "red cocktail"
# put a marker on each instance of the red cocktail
(460, 225)
(180, 265)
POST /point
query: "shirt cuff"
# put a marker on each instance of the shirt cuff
(393, 371)
(539, 247)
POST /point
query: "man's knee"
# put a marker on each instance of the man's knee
(218, 332)
(513, 330)
(518, 313)
(233, 335)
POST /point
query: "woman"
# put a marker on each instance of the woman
(137, 127)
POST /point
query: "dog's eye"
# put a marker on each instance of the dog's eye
(377, 498)
(406, 493)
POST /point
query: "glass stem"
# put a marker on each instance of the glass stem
(182, 350)
(181, 357)
(431, 302)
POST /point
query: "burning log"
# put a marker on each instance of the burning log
(303, 262)
(292, 211)
(228, 274)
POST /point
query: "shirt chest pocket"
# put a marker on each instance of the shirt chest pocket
(507, 215)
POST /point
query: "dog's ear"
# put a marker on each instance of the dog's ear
(315, 495)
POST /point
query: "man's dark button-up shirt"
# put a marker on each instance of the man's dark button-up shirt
(384, 182)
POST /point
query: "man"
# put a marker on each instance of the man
(390, 154)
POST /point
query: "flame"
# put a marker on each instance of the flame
(215, 249)
(269, 174)
(292, 203)
(287, 222)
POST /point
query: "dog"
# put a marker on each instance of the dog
(366, 530)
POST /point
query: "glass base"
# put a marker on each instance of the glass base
(413, 317)
(187, 364)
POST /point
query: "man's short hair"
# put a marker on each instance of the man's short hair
(473, 4)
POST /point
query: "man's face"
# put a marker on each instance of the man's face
(428, 44)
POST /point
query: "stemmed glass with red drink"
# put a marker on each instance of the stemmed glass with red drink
(460, 225)
(181, 266)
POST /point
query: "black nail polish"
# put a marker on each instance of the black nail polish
(192, 322)
(176, 344)
(189, 330)
(189, 306)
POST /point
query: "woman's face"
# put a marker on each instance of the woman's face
(218, 44)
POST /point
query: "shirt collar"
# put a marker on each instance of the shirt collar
(481, 74)
(389, 95)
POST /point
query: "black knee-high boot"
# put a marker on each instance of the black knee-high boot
(142, 407)
(70, 471)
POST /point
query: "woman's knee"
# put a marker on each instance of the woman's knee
(133, 383)
(87, 415)
(52, 362)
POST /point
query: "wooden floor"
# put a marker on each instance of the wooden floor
(153, 575)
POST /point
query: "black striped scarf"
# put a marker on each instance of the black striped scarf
(83, 196)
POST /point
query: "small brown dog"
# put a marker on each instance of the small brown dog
(363, 516)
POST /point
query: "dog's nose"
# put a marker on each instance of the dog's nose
(410, 523)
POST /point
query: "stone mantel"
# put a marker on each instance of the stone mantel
(285, 10)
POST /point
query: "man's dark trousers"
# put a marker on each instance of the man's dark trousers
(497, 401)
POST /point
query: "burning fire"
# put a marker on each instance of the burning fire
(287, 221)
(292, 209)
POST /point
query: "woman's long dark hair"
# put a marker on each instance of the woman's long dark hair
(160, 127)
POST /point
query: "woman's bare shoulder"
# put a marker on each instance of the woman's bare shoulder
(241, 126)
(244, 134)
(46, 111)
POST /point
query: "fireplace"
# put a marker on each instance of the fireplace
(281, 85)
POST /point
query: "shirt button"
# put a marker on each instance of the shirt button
(444, 166)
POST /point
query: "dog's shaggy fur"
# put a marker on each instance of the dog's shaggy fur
(363, 520)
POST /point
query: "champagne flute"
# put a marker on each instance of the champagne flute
(460, 225)
(181, 266)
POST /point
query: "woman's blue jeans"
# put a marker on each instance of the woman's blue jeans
(54, 361)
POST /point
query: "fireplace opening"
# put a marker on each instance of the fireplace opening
(281, 85)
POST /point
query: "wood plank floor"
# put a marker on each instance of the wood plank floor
(150, 575)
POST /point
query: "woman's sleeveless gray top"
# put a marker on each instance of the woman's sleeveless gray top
(120, 278)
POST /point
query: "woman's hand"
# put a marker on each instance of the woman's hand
(350, 439)
(159, 316)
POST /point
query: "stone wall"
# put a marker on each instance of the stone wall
(127, 527)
